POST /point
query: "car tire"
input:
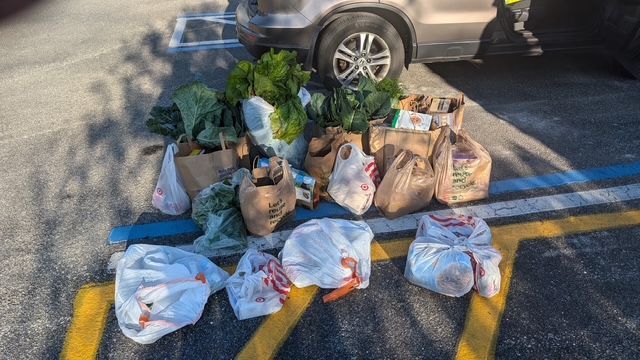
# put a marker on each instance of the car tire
(349, 29)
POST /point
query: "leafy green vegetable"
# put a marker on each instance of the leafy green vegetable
(166, 121)
(393, 88)
(216, 210)
(240, 82)
(197, 104)
(216, 197)
(224, 229)
(200, 113)
(288, 120)
(350, 109)
(277, 78)
(316, 107)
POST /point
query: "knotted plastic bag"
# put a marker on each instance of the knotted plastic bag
(452, 255)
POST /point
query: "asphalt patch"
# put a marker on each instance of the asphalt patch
(574, 297)
(390, 319)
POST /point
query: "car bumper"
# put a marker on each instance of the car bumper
(258, 32)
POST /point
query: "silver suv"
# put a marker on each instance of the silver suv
(346, 39)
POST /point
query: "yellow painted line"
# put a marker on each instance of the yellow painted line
(90, 312)
(480, 334)
(390, 250)
(91, 309)
(482, 325)
(275, 330)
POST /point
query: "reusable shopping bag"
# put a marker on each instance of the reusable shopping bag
(258, 287)
(169, 195)
(407, 187)
(354, 179)
(329, 253)
(463, 169)
(160, 289)
(269, 199)
(452, 255)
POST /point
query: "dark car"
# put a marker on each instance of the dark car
(345, 39)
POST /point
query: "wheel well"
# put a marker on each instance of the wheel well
(392, 17)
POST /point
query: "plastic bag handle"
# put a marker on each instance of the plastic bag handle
(145, 316)
(351, 285)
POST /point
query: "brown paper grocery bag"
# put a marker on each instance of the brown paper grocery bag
(321, 156)
(407, 187)
(269, 200)
(462, 169)
(348, 137)
(199, 171)
(386, 143)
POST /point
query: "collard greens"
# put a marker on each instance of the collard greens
(350, 109)
(199, 112)
(166, 121)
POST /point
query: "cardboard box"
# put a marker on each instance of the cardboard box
(443, 110)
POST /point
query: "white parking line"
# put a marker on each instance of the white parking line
(176, 44)
(504, 209)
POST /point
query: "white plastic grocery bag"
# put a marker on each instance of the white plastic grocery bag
(329, 253)
(258, 287)
(353, 181)
(160, 289)
(170, 196)
(452, 255)
(256, 113)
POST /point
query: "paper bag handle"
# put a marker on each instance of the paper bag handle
(189, 141)
(221, 136)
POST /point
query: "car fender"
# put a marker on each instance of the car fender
(365, 7)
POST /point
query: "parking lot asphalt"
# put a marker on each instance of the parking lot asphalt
(77, 80)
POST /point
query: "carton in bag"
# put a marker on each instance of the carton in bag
(321, 156)
(407, 187)
(441, 111)
(463, 168)
(269, 199)
(386, 143)
(307, 189)
(199, 170)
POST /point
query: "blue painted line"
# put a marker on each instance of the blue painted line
(564, 178)
(153, 230)
(326, 209)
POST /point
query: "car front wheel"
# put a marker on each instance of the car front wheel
(356, 45)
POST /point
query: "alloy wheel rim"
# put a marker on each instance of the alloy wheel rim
(361, 54)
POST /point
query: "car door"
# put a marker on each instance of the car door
(449, 28)
(621, 32)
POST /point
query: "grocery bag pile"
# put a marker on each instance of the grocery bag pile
(244, 159)
(160, 289)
